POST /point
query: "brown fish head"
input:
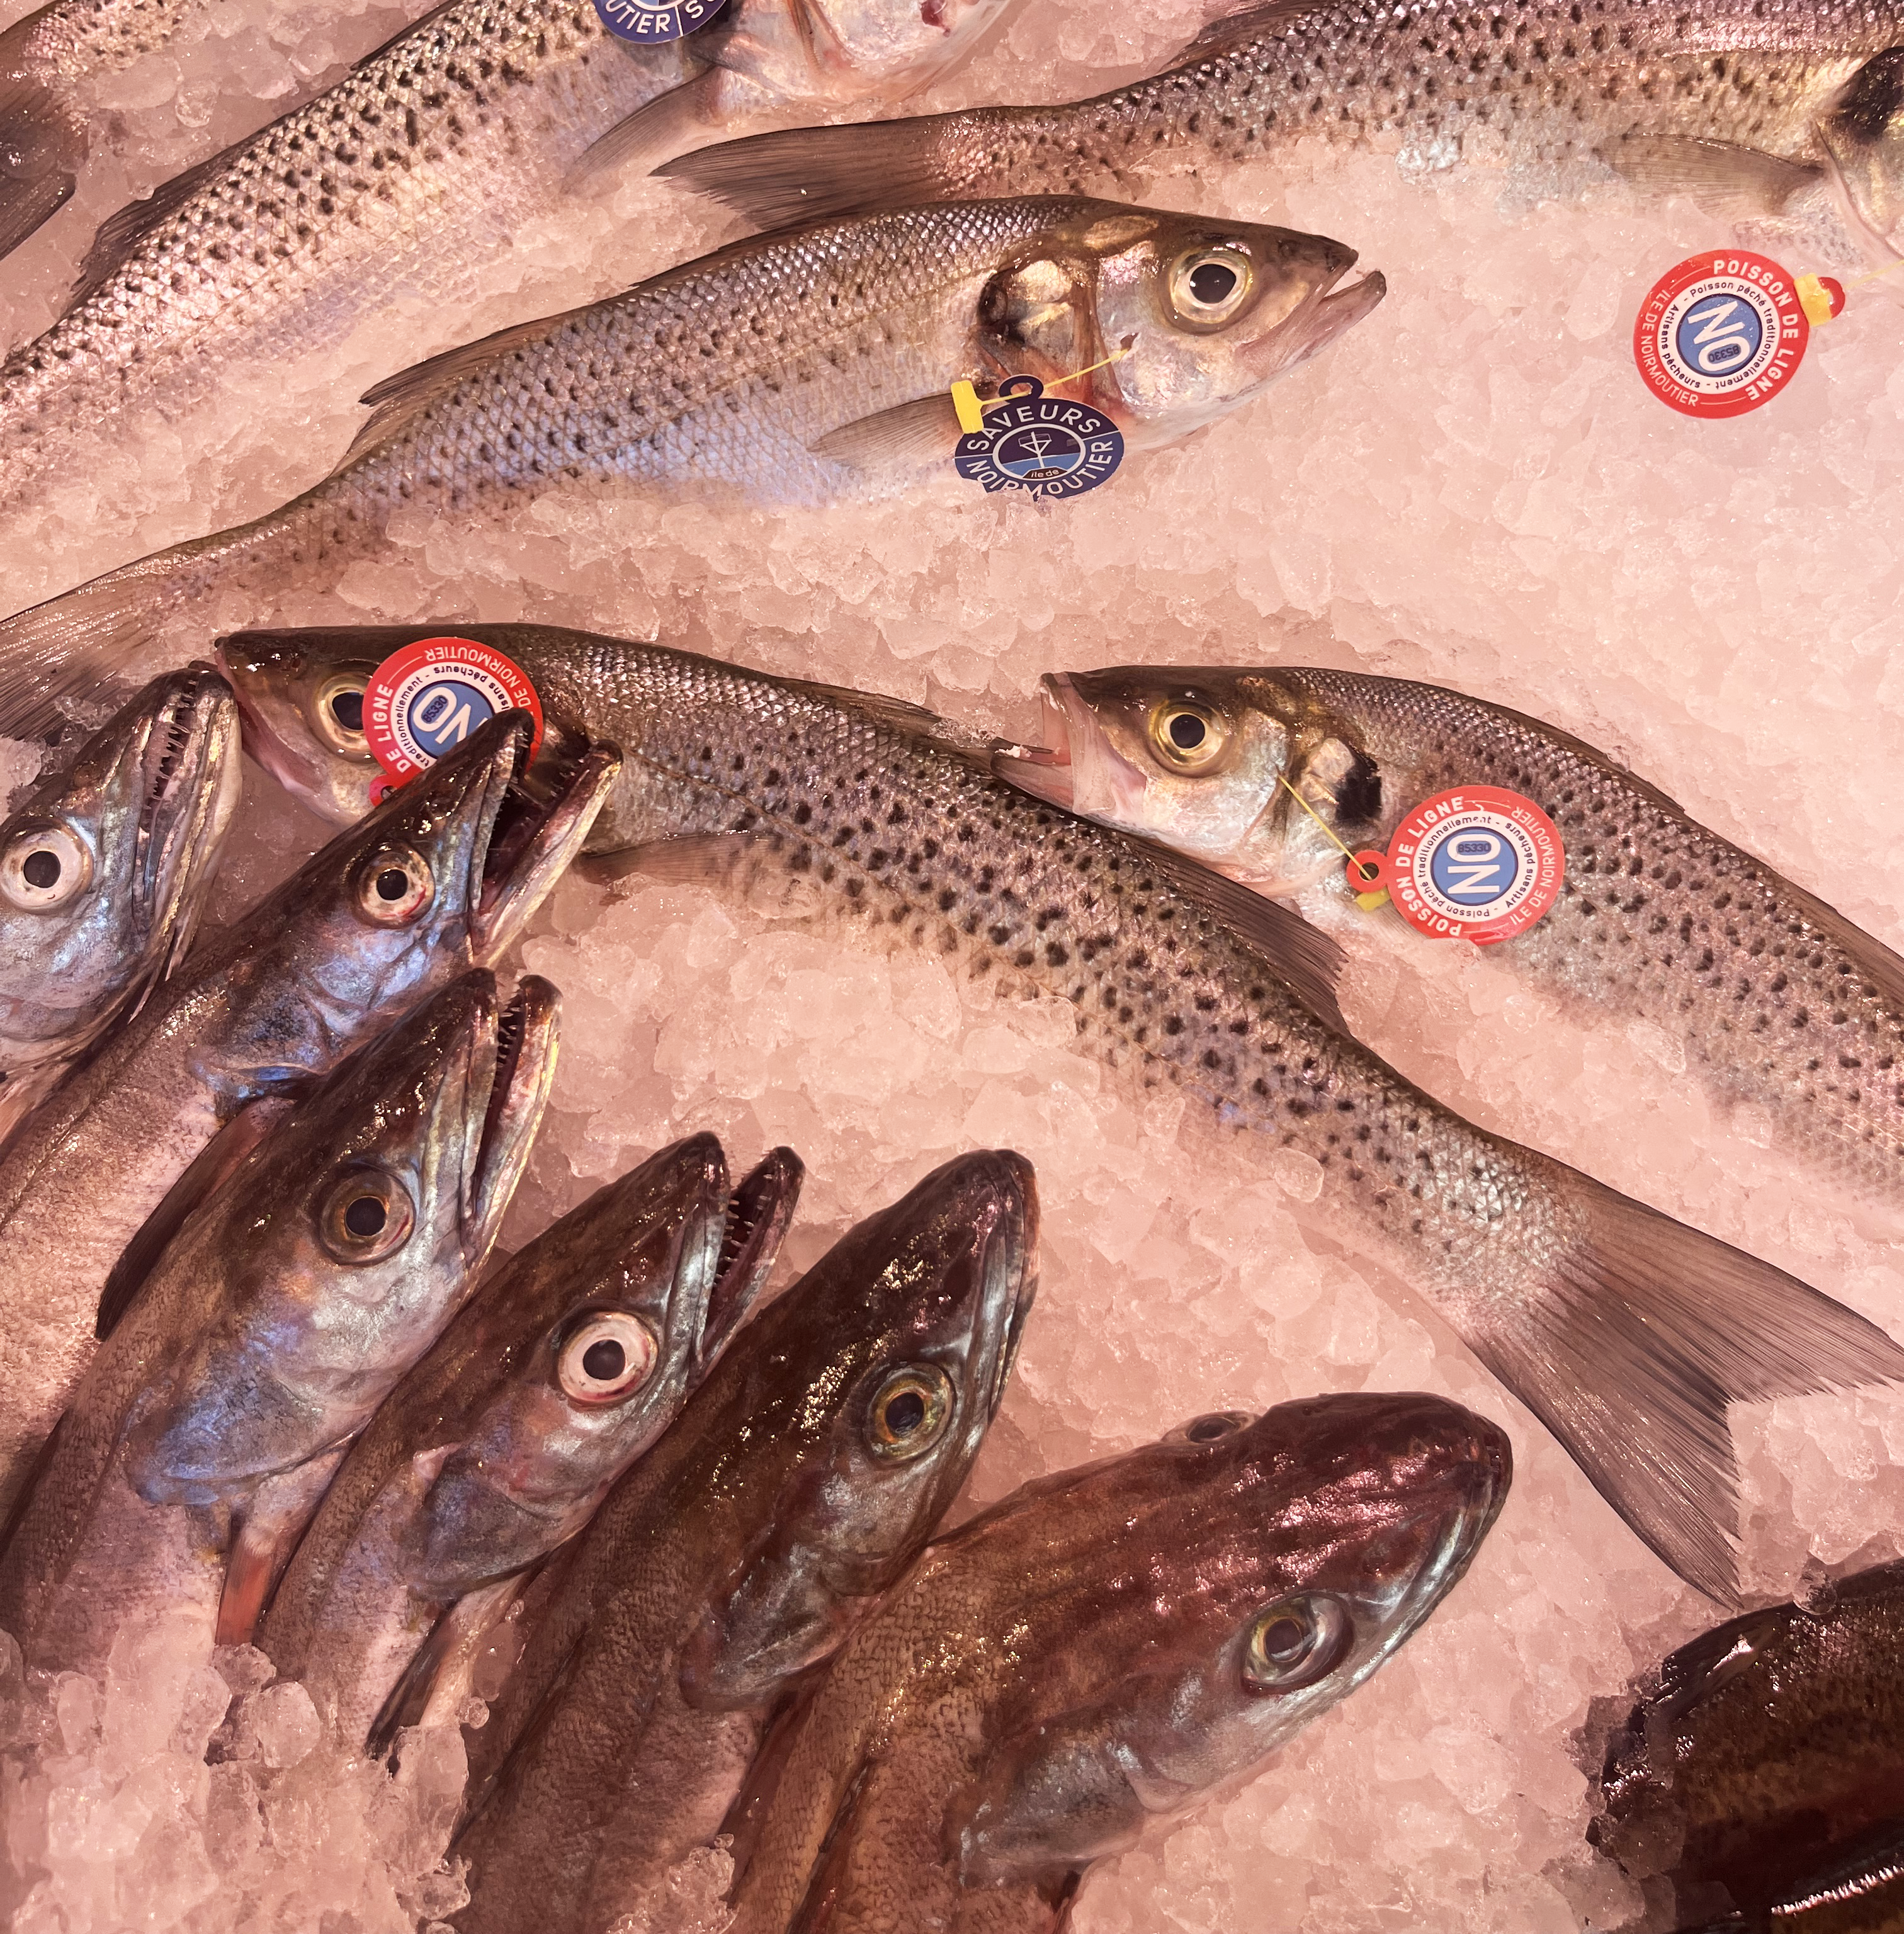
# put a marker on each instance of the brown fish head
(330, 1259)
(1240, 768)
(1192, 317)
(105, 866)
(1215, 1593)
(889, 1360)
(581, 1350)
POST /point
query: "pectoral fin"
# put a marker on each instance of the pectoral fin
(655, 132)
(282, 1506)
(914, 432)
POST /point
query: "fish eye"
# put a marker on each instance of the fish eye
(337, 713)
(1187, 735)
(393, 886)
(367, 1216)
(606, 1354)
(909, 1412)
(1215, 1423)
(1210, 286)
(1295, 1642)
(44, 866)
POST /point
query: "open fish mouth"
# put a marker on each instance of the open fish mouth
(194, 729)
(759, 1211)
(532, 827)
(1331, 310)
(1077, 767)
(524, 1066)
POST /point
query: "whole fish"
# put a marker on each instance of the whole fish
(1102, 1649)
(1776, 997)
(1792, 117)
(430, 156)
(277, 1319)
(813, 366)
(804, 1475)
(442, 878)
(566, 1366)
(104, 868)
(1628, 1334)
(1764, 1752)
(45, 61)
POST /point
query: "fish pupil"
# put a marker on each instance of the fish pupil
(904, 1413)
(1204, 1428)
(1187, 730)
(1284, 1639)
(1212, 285)
(604, 1361)
(393, 883)
(347, 708)
(365, 1217)
(41, 869)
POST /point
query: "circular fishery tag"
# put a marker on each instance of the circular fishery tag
(649, 24)
(426, 699)
(1040, 444)
(1721, 334)
(1478, 863)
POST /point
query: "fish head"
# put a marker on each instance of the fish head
(1192, 317)
(443, 876)
(335, 1253)
(1239, 769)
(302, 694)
(820, 51)
(582, 1349)
(1219, 1590)
(105, 866)
(1864, 135)
(899, 1344)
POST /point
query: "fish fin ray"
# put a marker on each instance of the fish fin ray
(280, 1509)
(1230, 30)
(218, 1158)
(915, 432)
(781, 1172)
(41, 130)
(458, 1628)
(817, 174)
(746, 1818)
(1648, 1332)
(123, 232)
(1723, 175)
(659, 129)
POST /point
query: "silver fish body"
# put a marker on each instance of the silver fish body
(442, 878)
(1102, 1649)
(104, 866)
(1627, 1334)
(286, 1307)
(430, 154)
(565, 1367)
(1792, 118)
(1778, 999)
(812, 367)
(805, 1474)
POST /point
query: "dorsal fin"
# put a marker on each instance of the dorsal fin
(1228, 31)
(121, 234)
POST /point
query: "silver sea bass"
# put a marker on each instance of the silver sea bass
(810, 367)
(1105, 1648)
(1788, 118)
(1627, 1334)
(802, 1478)
(429, 156)
(275, 1322)
(567, 1364)
(442, 878)
(1778, 1000)
(105, 866)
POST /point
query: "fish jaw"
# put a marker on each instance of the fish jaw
(303, 1323)
(133, 829)
(289, 688)
(1077, 767)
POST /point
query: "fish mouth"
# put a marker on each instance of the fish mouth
(758, 1214)
(523, 1069)
(191, 778)
(531, 828)
(1330, 310)
(1077, 767)
(1469, 1496)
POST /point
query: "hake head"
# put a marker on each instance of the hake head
(326, 1263)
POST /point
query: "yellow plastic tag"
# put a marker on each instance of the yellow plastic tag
(1368, 902)
(1814, 299)
(965, 400)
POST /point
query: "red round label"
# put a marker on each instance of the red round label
(1478, 863)
(424, 700)
(1721, 334)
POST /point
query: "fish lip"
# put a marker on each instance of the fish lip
(1481, 1483)
(1010, 1264)
(528, 833)
(1078, 769)
(524, 1030)
(758, 1213)
(1330, 311)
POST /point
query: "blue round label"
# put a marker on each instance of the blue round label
(443, 715)
(649, 25)
(1040, 444)
(1720, 335)
(1474, 866)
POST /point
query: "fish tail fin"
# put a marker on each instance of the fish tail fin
(820, 174)
(1647, 1333)
(42, 140)
(103, 634)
